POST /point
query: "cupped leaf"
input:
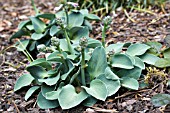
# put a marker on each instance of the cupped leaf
(41, 62)
(63, 45)
(139, 63)
(30, 92)
(166, 53)
(45, 89)
(88, 24)
(84, 11)
(92, 43)
(32, 46)
(39, 26)
(70, 69)
(90, 101)
(160, 100)
(130, 83)
(112, 85)
(75, 19)
(37, 72)
(49, 16)
(30, 27)
(110, 75)
(97, 89)
(22, 45)
(23, 24)
(115, 47)
(20, 33)
(132, 73)
(37, 36)
(98, 63)
(24, 80)
(83, 32)
(121, 61)
(43, 103)
(155, 47)
(162, 63)
(92, 17)
(54, 30)
(55, 57)
(74, 30)
(149, 58)
(68, 97)
(54, 94)
(137, 49)
(50, 81)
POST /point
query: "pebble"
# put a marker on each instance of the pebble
(11, 108)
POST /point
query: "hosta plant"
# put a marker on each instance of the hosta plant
(90, 73)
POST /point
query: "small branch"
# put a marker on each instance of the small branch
(129, 16)
(16, 107)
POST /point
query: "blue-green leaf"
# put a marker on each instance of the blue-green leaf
(23, 24)
(97, 89)
(54, 30)
(116, 47)
(39, 26)
(121, 61)
(50, 81)
(49, 16)
(132, 73)
(137, 49)
(52, 95)
(149, 58)
(75, 19)
(139, 63)
(97, 64)
(130, 83)
(37, 72)
(41, 62)
(92, 17)
(166, 53)
(37, 36)
(162, 63)
(110, 75)
(30, 92)
(45, 89)
(68, 97)
(23, 81)
(43, 103)
(112, 85)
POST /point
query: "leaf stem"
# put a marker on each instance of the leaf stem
(68, 42)
(64, 62)
(103, 35)
(82, 67)
(66, 11)
(35, 8)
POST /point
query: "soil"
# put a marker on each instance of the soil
(141, 27)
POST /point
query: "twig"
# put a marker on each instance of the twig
(129, 16)
(16, 107)
(35, 104)
(129, 93)
(3, 59)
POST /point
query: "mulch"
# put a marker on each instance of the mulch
(140, 27)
